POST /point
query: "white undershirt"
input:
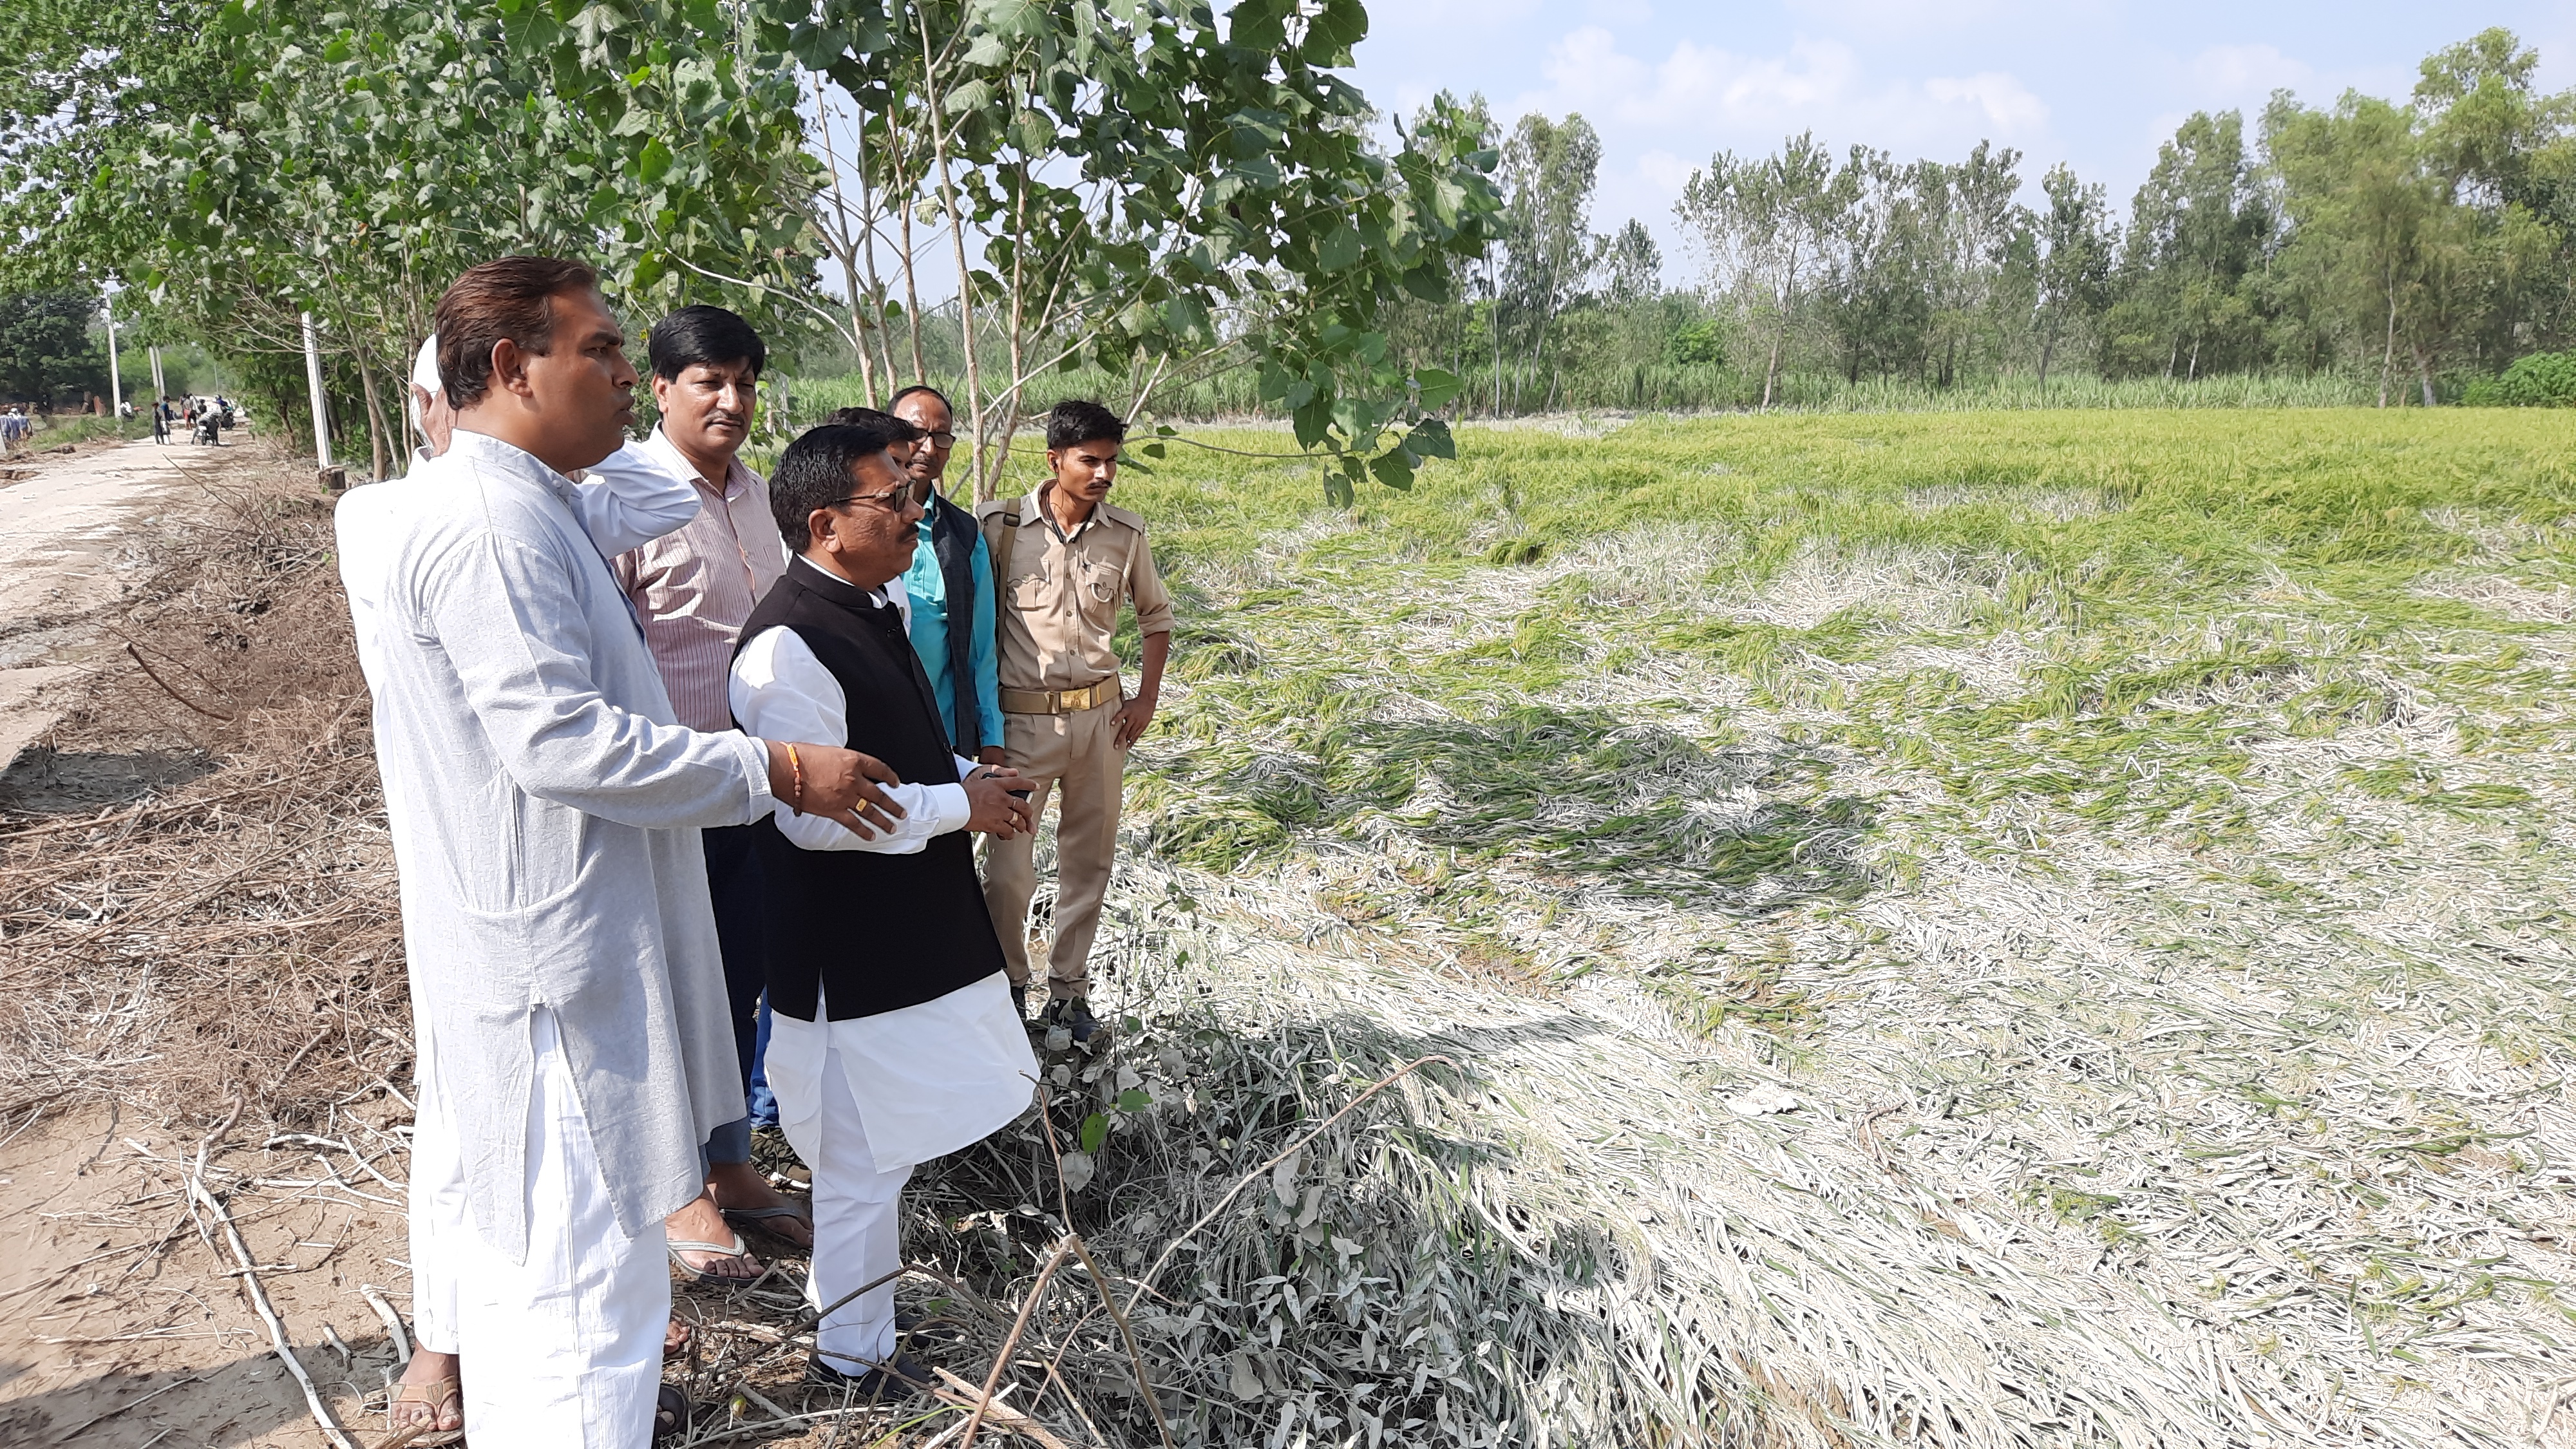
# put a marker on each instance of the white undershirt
(928, 1079)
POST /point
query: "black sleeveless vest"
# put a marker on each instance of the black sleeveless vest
(876, 932)
(952, 541)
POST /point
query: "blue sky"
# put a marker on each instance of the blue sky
(2096, 83)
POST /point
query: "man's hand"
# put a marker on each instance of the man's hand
(1133, 718)
(992, 808)
(839, 785)
(438, 422)
(992, 755)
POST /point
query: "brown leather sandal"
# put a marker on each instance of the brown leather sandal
(438, 1394)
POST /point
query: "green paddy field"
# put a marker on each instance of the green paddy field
(1981, 928)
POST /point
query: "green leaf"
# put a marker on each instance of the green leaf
(1337, 489)
(1394, 468)
(1134, 1099)
(1095, 1130)
(1186, 315)
(1430, 439)
(654, 163)
(1438, 389)
(1341, 249)
(1153, 450)
(1016, 18)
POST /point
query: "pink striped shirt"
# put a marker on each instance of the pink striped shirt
(696, 586)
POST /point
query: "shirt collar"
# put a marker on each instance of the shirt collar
(836, 588)
(1037, 502)
(509, 458)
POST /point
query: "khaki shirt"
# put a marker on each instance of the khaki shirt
(1060, 594)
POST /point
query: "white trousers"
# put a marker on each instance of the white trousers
(562, 1350)
(858, 1235)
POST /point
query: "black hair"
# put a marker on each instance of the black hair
(896, 401)
(903, 431)
(507, 297)
(1074, 422)
(815, 473)
(705, 334)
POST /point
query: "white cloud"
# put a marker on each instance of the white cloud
(1586, 71)
(2007, 104)
(2242, 74)
(1906, 17)
(1703, 98)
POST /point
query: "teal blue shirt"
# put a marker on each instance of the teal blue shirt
(929, 589)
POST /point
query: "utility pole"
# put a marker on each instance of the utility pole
(321, 408)
(115, 384)
(160, 386)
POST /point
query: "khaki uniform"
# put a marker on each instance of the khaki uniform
(1057, 616)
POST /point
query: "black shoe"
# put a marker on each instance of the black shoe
(1020, 994)
(926, 1329)
(903, 1377)
(1074, 1015)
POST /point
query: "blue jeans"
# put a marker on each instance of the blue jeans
(733, 886)
(764, 1105)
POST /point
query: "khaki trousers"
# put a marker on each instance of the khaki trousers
(1076, 757)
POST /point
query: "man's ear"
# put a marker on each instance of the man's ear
(510, 367)
(661, 385)
(818, 529)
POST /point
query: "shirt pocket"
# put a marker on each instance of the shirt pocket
(1029, 592)
(1096, 594)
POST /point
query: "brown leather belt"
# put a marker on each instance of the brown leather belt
(1060, 701)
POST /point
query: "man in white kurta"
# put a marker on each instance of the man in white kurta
(565, 983)
(622, 501)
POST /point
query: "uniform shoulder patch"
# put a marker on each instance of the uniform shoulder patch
(1116, 514)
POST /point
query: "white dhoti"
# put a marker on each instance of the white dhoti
(562, 1350)
(858, 1234)
(864, 1101)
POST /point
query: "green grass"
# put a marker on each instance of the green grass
(2160, 814)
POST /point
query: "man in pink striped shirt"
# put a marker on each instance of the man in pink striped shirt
(694, 588)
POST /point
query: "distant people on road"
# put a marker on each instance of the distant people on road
(15, 425)
(161, 420)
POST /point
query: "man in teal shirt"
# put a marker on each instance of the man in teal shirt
(951, 584)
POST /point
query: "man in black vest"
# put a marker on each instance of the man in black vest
(894, 1036)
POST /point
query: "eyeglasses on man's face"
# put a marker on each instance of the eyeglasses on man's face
(895, 498)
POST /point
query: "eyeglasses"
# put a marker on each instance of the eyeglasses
(943, 440)
(894, 498)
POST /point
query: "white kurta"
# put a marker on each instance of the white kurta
(565, 1339)
(626, 500)
(928, 1079)
(545, 816)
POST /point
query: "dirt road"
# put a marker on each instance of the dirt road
(71, 544)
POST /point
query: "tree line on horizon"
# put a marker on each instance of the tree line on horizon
(2417, 246)
(1192, 216)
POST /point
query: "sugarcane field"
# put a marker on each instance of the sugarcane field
(928, 724)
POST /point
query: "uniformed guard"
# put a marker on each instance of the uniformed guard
(1062, 561)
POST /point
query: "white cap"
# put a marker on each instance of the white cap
(424, 374)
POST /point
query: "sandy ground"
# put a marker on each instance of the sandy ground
(108, 1344)
(69, 547)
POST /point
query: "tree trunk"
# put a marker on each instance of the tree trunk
(911, 292)
(2423, 373)
(2047, 350)
(2388, 348)
(985, 476)
(375, 419)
